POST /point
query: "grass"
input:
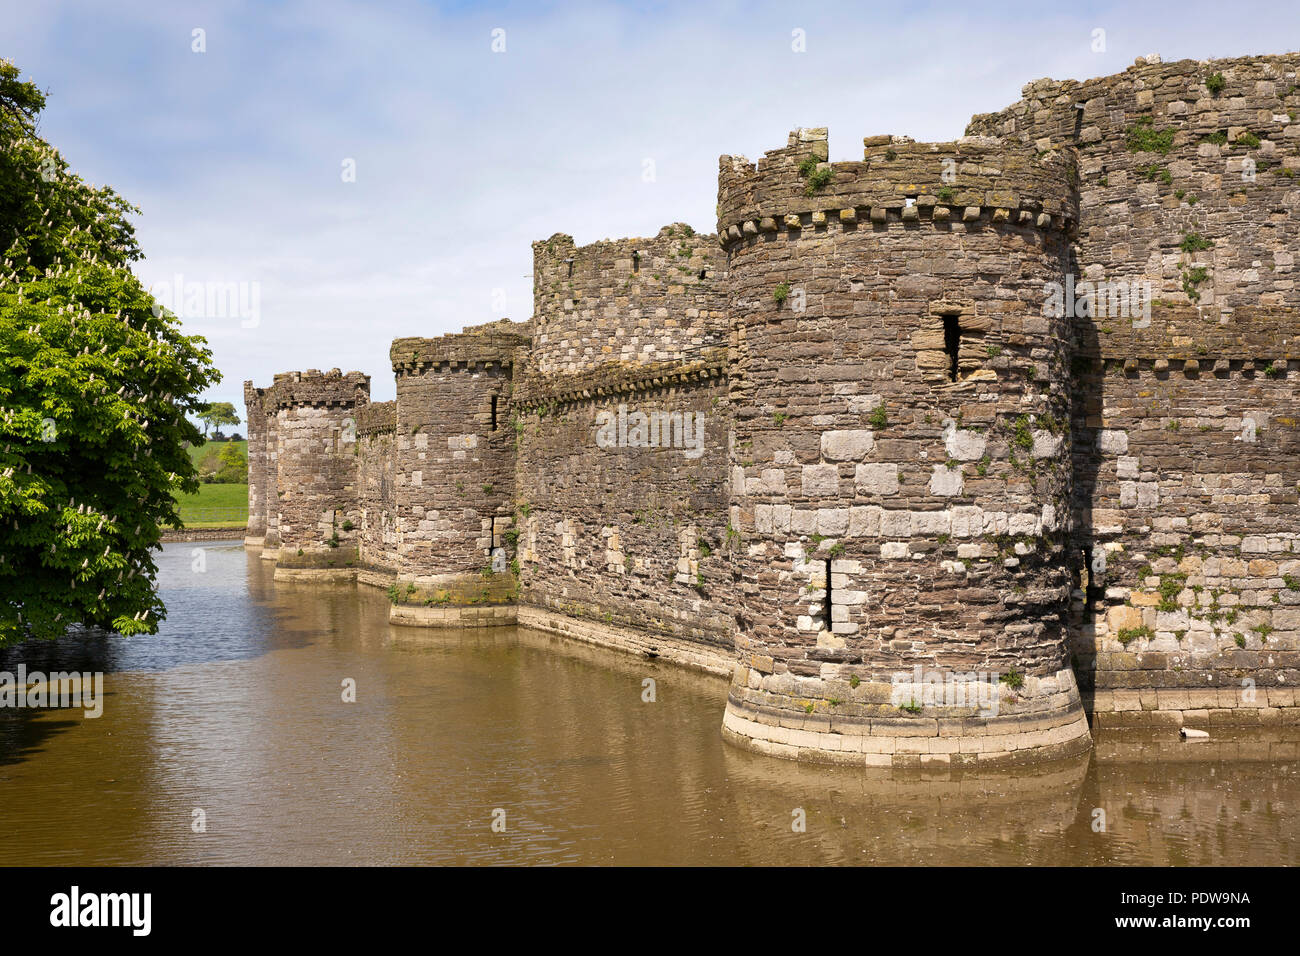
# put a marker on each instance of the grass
(199, 452)
(215, 506)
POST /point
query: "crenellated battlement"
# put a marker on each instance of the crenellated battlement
(491, 344)
(972, 180)
(629, 301)
(376, 417)
(533, 388)
(314, 387)
(1255, 89)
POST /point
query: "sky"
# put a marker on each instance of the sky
(364, 171)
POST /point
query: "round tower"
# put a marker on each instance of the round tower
(454, 453)
(901, 462)
(314, 496)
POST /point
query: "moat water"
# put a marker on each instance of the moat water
(236, 708)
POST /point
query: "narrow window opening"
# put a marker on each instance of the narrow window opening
(636, 261)
(703, 273)
(494, 413)
(826, 611)
(952, 344)
(570, 264)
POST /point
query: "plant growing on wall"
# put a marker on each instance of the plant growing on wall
(815, 177)
(1013, 679)
(1129, 634)
(1142, 137)
(1156, 171)
(1022, 435)
(1193, 276)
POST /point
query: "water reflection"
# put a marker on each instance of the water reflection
(236, 708)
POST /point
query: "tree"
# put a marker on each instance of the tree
(217, 414)
(95, 382)
(234, 464)
(202, 415)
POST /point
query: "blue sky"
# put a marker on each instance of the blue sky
(464, 156)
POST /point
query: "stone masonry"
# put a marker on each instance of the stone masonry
(936, 455)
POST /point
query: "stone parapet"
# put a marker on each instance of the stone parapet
(533, 388)
(972, 180)
(486, 345)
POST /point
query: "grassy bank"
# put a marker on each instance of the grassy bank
(215, 506)
(199, 452)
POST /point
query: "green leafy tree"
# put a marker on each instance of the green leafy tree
(217, 414)
(202, 415)
(95, 383)
(234, 464)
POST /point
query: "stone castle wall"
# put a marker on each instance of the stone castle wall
(378, 539)
(921, 458)
(259, 473)
(1186, 430)
(630, 531)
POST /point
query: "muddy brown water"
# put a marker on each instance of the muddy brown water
(236, 708)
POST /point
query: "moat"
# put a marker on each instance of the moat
(236, 708)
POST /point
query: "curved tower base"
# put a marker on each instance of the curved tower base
(894, 725)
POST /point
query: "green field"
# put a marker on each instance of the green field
(199, 452)
(215, 506)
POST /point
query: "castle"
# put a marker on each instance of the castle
(936, 455)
